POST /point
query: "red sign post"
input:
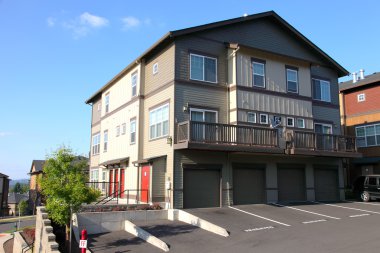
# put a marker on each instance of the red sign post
(83, 241)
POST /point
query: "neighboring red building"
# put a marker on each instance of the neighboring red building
(360, 116)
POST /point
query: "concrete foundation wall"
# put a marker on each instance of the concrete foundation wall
(45, 239)
(19, 244)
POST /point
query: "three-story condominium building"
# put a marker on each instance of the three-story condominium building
(239, 111)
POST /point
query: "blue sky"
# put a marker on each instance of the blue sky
(56, 54)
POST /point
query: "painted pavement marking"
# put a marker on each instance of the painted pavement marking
(258, 216)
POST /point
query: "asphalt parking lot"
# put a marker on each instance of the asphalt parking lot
(303, 227)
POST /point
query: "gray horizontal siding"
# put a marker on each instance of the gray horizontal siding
(187, 44)
(202, 96)
(266, 35)
(330, 74)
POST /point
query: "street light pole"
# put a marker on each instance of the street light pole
(71, 224)
(19, 216)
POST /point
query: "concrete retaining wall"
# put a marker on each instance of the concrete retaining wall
(45, 239)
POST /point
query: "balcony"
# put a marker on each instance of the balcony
(224, 137)
(238, 138)
(310, 143)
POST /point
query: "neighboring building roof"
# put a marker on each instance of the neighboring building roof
(368, 80)
(169, 37)
(38, 165)
(3, 175)
(15, 198)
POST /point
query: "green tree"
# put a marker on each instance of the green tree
(17, 188)
(23, 206)
(64, 185)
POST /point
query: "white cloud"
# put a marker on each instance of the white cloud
(130, 22)
(84, 24)
(92, 20)
(50, 21)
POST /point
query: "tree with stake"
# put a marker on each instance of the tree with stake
(64, 185)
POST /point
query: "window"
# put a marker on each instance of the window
(107, 102)
(323, 128)
(263, 118)
(372, 181)
(155, 68)
(96, 144)
(321, 90)
(361, 97)
(94, 176)
(251, 117)
(104, 175)
(368, 135)
(290, 122)
(300, 123)
(133, 131)
(105, 140)
(203, 68)
(99, 107)
(292, 80)
(258, 72)
(123, 128)
(159, 122)
(117, 131)
(134, 84)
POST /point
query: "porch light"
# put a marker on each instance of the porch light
(169, 140)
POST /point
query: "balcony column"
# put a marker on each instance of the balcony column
(271, 182)
(310, 190)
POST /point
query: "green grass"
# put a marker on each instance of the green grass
(13, 230)
(16, 218)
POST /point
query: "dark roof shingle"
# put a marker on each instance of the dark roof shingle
(370, 79)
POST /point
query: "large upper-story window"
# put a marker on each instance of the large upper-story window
(95, 144)
(368, 135)
(107, 103)
(105, 141)
(258, 73)
(159, 122)
(292, 80)
(203, 68)
(134, 84)
(321, 90)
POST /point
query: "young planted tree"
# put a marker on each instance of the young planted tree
(64, 186)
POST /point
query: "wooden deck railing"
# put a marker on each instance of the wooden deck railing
(214, 133)
(324, 142)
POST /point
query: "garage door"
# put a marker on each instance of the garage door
(248, 184)
(201, 188)
(291, 183)
(326, 184)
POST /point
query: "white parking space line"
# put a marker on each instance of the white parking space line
(359, 215)
(301, 210)
(313, 221)
(365, 203)
(345, 207)
(257, 229)
(258, 216)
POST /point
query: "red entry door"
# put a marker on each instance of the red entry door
(145, 181)
(116, 190)
(122, 183)
(110, 186)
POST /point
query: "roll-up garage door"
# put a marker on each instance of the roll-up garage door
(326, 184)
(201, 188)
(291, 183)
(248, 184)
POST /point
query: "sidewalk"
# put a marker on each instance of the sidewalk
(4, 238)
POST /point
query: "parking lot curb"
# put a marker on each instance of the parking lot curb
(180, 215)
(141, 233)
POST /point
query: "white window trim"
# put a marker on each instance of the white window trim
(105, 143)
(365, 135)
(117, 130)
(99, 107)
(203, 76)
(155, 109)
(123, 128)
(155, 68)
(287, 80)
(303, 123)
(135, 85)
(253, 73)
(252, 113)
(266, 118)
(287, 122)
(97, 136)
(130, 131)
(107, 103)
(204, 110)
(361, 97)
(320, 80)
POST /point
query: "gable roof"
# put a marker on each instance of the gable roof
(38, 165)
(368, 80)
(3, 175)
(170, 36)
(15, 198)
